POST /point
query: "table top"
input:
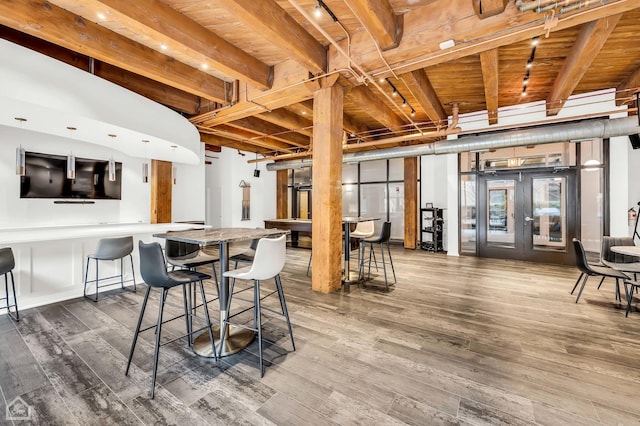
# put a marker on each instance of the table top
(211, 236)
(628, 250)
(357, 219)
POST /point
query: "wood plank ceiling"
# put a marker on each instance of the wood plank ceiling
(244, 71)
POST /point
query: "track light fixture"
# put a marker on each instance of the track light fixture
(395, 92)
(317, 11)
(525, 81)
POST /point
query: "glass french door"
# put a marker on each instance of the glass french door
(527, 215)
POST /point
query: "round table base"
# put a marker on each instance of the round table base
(238, 339)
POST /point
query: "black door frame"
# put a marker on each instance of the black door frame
(524, 244)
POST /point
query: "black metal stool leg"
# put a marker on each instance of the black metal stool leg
(391, 263)
(156, 351)
(584, 281)
(259, 323)
(135, 334)
(187, 314)
(285, 312)
(15, 300)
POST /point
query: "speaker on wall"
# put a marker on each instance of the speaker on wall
(635, 141)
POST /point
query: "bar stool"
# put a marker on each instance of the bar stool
(110, 249)
(154, 273)
(7, 263)
(382, 239)
(268, 262)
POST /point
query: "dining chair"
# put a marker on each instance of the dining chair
(7, 263)
(268, 262)
(382, 239)
(155, 275)
(587, 270)
(110, 249)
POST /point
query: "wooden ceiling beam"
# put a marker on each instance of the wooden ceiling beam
(158, 92)
(288, 88)
(628, 87)
(426, 27)
(248, 137)
(380, 21)
(490, 78)
(420, 87)
(273, 131)
(277, 26)
(487, 8)
(41, 19)
(221, 141)
(348, 123)
(373, 106)
(591, 38)
(178, 32)
(288, 120)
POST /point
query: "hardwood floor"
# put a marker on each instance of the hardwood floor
(457, 341)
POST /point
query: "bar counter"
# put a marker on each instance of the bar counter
(50, 260)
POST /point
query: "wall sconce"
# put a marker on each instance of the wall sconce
(145, 172)
(20, 161)
(112, 170)
(174, 174)
(71, 166)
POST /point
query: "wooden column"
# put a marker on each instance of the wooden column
(282, 194)
(410, 202)
(161, 185)
(326, 273)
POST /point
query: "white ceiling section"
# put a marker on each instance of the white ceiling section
(52, 96)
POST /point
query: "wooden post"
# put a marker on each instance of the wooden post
(410, 202)
(161, 185)
(326, 274)
(282, 194)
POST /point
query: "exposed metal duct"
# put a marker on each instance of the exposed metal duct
(588, 129)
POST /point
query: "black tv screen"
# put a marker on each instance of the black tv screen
(46, 177)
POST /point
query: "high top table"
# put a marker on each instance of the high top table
(236, 338)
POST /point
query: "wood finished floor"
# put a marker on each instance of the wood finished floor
(458, 341)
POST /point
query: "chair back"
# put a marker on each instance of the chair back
(175, 249)
(610, 256)
(7, 262)
(269, 258)
(581, 258)
(385, 232)
(364, 229)
(152, 265)
(114, 248)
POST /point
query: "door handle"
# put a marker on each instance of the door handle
(528, 219)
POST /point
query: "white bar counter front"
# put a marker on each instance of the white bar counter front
(50, 261)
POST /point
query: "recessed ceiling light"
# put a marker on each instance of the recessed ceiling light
(304, 112)
(112, 135)
(534, 42)
(317, 11)
(204, 66)
(101, 16)
(163, 46)
(145, 140)
(381, 80)
(174, 146)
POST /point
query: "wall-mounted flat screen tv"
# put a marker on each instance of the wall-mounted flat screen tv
(46, 177)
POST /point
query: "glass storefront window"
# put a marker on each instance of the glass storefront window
(468, 230)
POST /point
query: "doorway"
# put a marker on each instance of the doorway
(527, 215)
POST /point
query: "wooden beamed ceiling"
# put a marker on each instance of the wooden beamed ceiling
(245, 72)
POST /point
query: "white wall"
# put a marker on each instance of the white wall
(17, 212)
(223, 179)
(188, 194)
(633, 165)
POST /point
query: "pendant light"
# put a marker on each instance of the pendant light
(71, 159)
(112, 170)
(20, 154)
(592, 164)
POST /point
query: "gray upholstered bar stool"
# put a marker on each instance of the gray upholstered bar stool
(382, 239)
(110, 249)
(268, 262)
(155, 275)
(7, 263)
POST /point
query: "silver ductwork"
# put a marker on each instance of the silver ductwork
(588, 129)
